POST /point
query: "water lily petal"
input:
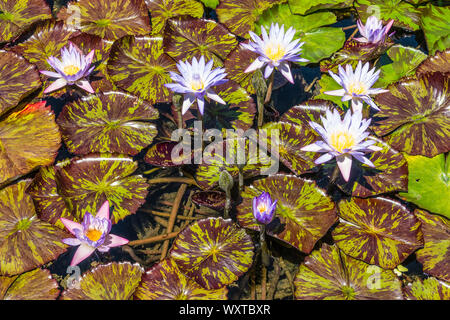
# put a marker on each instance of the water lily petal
(103, 212)
(82, 253)
(71, 225)
(85, 85)
(58, 84)
(345, 165)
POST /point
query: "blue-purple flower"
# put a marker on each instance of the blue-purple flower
(92, 234)
(73, 68)
(373, 31)
(342, 139)
(264, 208)
(195, 81)
(275, 49)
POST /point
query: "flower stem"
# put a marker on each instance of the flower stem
(264, 250)
(177, 102)
(269, 88)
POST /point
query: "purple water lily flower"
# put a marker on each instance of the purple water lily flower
(92, 234)
(275, 49)
(264, 208)
(195, 81)
(342, 139)
(373, 31)
(73, 68)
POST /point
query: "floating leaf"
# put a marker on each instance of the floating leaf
(210, 3)
(25, 241)
(28, 138)
(440, 62)
(140, 66)
(17, 15)
(214, 252)
(112, 281)
(18, 78)
(327, 83)
(109, 122)
(211, 199)
(328, 274)
(434, 22)
(377, 230)
(318, 45)
(163, 10)
(305, 7)
(87, 182)
(33, 285)
(303, 214)
(414, 115)
(428, 289)
(165, 281)
(188, 38)
(235, 65)
(160, 154)
(429, 183)
(435, 256)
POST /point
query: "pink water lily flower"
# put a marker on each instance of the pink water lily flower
(373, 31)
(73, 68)
(93, 234)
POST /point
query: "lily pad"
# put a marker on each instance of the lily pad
(25, 241)
(435, 256)
(33, 285)
(139, 66)
(414, 115)
(303, 214)
(440, 62)
(329, 274)
(327, 83)
(165, 281)
(163, 10)
(188, 38)
(112, 281)
(434, 22)
(109, 122)
(213, 252)
(17, 15)
(28, 138)
(87, 182)
(211, 199)
(305, 7)
(377, 231)
(428, 289)
(18, 79)
(429, 183)
(160, 154)
(318, 45)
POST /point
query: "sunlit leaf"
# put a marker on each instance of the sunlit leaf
(434, 23)
(303, 214)
(318, 45)
(305, 7)
(160, 154)
(165, 281)
(440, 62)
(327, 83)
(112, 281)
(428, 289)
(235, 65)
(214, 252)
(210, 3)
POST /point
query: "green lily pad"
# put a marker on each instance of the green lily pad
(109, 122)
(25, 241)
(210, 3)
(165, 281)
(188, 38)
(139, 66)
(435, 255)
(428, 289)
(303, 214)
(440, 62)
(17, 15)
(305, 7)
(434, 23)
(28, 138)
(37, 284)
(414, 115)
(329, 274)
(318, 45)
(87, 182)
(429, 183)
(327, 83)
(112, 281)
(18, 79)
(377, 231)
(214, 252)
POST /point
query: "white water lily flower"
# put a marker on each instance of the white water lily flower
(373, 31)
(343, 139)
(276, 50)
(356, 86)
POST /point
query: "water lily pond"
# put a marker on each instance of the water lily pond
(224, 149)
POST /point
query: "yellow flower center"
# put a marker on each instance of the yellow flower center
(356, 88)
(262, 208)
(341, 140)
(275, 51)
(197, 83)
(93, 234)
(70, 70)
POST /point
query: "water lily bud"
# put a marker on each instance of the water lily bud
(264, 208)
(226, 181)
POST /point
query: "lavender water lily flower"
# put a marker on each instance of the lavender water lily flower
(264, 208)
(373, 31)
(73, 68)
(356, 86)
(93, 234)
(195, 81)
(275, 49)
(342, 139)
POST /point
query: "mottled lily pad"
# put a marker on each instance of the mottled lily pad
(25, 241)
(165, 281)
(109, 122)
(214, 252)
(414, 115)
(435, 256)
(434, 23)
(112, 281)
(303, 214)
(28, 138)
(211, 199)
(428, 289)
(377, 230)
(33, 285)
(329, 274)
(160, 154)
(440, 62)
